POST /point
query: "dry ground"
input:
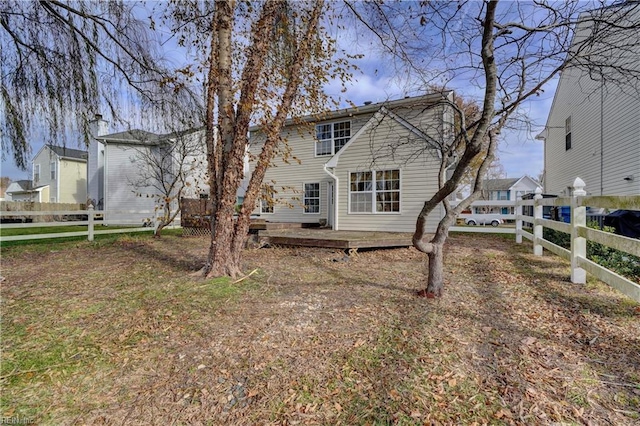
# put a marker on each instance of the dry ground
(121, 333)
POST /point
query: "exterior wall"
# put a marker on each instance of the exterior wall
(605, 140)
(95, 162)
(418, 178)
(44, 159)
(525, 185)
(121, 171)
(72, 176)
(288, 178)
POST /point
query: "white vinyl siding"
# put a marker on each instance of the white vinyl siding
(605, 142)
(417, 181)
(288, 177)
(121, 170)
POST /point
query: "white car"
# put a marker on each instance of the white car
(483, 221)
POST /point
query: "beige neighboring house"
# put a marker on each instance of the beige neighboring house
(592, 128)
(23, 190)
(367, 168)
(64, 171)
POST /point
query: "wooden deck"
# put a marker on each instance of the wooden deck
(346, 240)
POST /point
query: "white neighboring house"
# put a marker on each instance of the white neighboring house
(507, 189)
(366, 168)
(119, 166)
(592, 128)
(64, 171)
(23, 190)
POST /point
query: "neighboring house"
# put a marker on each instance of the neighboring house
(592, 128)
(23, 190)
(64, 170)
(119, 168)
(367, 168)
(508, 189)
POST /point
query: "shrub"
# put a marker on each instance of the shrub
(618, 261)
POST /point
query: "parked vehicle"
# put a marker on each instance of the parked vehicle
(473, 221)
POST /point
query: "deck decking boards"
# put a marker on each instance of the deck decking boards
(335, 239)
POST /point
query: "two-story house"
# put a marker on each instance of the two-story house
(367, 168)
(507, 189)
(129, 171)
(64, 171)
(592, 128)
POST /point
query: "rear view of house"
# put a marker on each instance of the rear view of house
(369, 168)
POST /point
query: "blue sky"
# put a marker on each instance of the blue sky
(378, 81)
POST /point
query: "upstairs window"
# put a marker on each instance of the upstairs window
(331, 137)
(53, 170)
(567, 134)
(36, 173)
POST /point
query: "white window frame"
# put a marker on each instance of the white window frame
(53, 170)
(305, 198)
(374, 191)
(265, 206)
(332, 141)
(36, 173)
(568, 140)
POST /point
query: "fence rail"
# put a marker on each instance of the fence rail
(90, 223)
(580, 233)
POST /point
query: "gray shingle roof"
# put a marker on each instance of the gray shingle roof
(68, 152)
(499, 184)
(135, 136)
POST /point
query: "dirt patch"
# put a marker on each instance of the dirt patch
(121, 333)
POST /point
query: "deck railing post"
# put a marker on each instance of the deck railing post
(578, 244)
(90, 218)
(537, 228)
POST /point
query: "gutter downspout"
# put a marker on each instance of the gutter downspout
(334, 225)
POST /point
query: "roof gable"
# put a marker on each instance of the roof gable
(62, 151)
(380, 115)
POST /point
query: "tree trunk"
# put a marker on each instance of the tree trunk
(436, 273)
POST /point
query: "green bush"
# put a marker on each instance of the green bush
(618, 261)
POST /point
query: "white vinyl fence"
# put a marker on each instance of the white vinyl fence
(60, 218)
(580, 233)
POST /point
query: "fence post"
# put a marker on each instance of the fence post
(578, 244)
(537, 228)
(90, 226)
(519, 212)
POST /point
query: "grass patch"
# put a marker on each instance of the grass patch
(121, 330)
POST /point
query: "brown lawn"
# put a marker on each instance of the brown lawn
(120, 332)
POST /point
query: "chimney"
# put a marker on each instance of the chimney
(367, 102)
(95, 160)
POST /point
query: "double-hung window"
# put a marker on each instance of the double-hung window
(331, 137)
(567, 134)
(267, 200)
(374, 191)
(311, 197)
(36, 173)
(53, 170)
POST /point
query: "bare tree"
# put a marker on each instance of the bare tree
(172, 168)
(508, 51)
(63, 61)
(265, 61)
